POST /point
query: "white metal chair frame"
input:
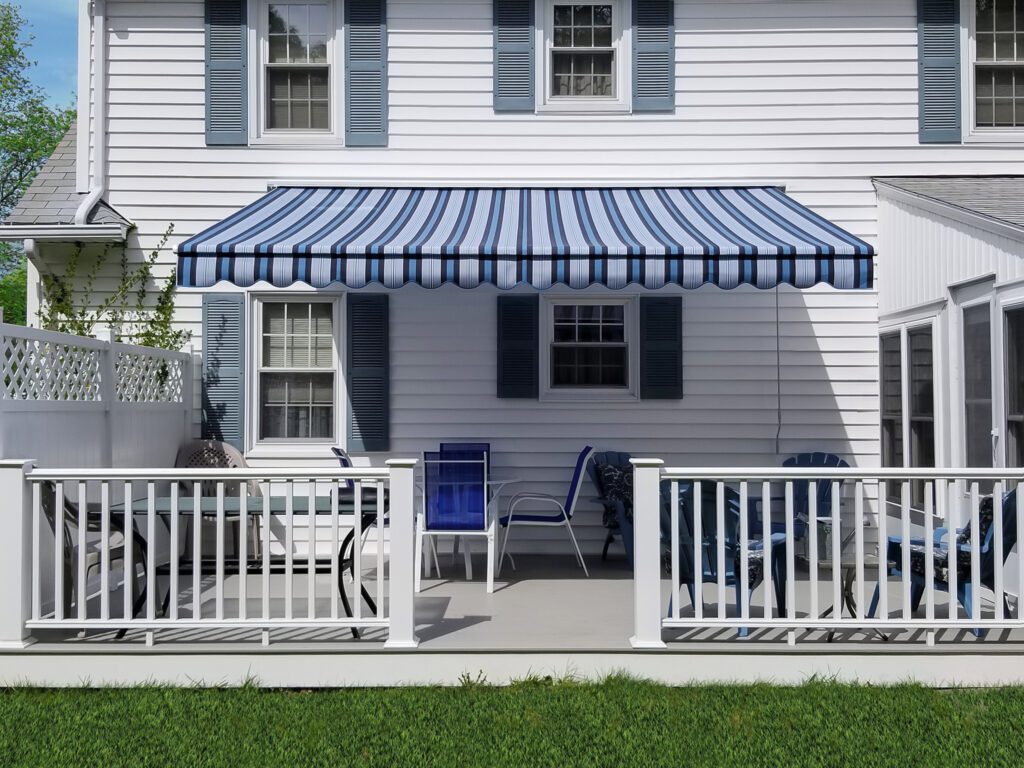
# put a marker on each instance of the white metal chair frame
(567, 509)
(424, 536)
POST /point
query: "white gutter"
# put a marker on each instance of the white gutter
(98, 187)
(64, 233)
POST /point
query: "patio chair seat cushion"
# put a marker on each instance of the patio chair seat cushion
(536, 518)
(617, 485)
(940, 552)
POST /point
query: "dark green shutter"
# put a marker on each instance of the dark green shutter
(368, 373)
(513, 56)
(224, 368)
(227, 81)
(366, 73)
(661, 348)
(518, 346)
(654, 54)
(938, 57)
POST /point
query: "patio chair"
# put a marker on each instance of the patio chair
(614, 508)
(455, 503)
(966, 591)
(709, 573)
(562, 516)
(801, 493)
(69, 526)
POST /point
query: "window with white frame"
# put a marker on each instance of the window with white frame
(1015, 386)
(999, 64)
(908, 349)
(297, 364)
(589, 346)
(297, 65)
(584, 56)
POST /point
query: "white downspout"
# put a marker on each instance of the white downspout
(99, 113)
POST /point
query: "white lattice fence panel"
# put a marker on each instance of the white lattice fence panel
(145, 378)
(34, 369)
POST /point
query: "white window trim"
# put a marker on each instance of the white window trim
(971, 133)
(1008, 298)
(590, 395)
(258, 53)
(622, 33)
(289, 447)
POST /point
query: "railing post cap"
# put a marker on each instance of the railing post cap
(17, 463)
(402, 463)
(647, 462)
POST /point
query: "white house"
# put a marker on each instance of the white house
(670, 228)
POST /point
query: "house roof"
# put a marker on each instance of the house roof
(52, 199)
(997, 197)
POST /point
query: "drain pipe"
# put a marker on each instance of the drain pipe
(98, 187)
(778, 376)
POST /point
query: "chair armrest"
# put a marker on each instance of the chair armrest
(939, 534)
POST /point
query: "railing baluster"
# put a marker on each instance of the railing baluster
(997, 546)
(676, 583)
(975, 554)
(311, 545)
(883, 551)
(1020, 552)
(150, 551)
(837, 549)
(905, 549)
(37, 551)
(197, 550)
(335, 551)
(82, 588)
(289, 555)
(357, 551)
(175, 553)
(744, 585)
(859, 554)
(720, 545)
(58, 551)
(929, 552)
(790, 555)
(221, 546)
(951, 536)
(380, 549)
(766, 544)
(105, 550)
(698, 552)
(129, 553)
(243, 550)
(812, 545)
(266, 553)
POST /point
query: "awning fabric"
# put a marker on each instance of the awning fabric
(725, 236)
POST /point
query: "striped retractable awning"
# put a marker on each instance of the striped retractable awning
(725, 236)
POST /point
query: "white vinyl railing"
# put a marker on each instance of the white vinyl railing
(259, 549)
(827, 549)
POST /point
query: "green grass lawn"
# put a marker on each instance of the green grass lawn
(617, 723)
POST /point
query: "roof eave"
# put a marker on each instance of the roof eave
(65, 233)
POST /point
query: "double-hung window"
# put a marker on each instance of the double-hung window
(589, 347)
(584, 54)
(999, 64)
(297, 66)
(297, 364)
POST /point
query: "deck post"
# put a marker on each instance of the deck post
(401, 570)
(647, 554)
(15, 554)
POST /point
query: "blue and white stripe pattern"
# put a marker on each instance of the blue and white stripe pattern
(541, 237)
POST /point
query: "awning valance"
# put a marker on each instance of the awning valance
(725, 236)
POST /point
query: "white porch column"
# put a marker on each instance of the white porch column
(647, 553)
(401, 569)
(15, 553)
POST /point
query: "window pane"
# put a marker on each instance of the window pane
(602, 37)
(978, 385)
(297, 406)
(582, 37)
(278, 19)
(278, 84)
(318, 49)
(582, 15)
(563, 15)
(318, 19)
(602, 16)
(278, 48)
(921, 389)
(562, 37)
(892, 402)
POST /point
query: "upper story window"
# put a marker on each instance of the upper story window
(298, 56)
(585, 60)
(999, 64)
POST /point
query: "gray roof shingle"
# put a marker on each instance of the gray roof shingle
(51, 198)
(998, 197)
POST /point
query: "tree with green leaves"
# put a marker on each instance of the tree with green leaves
(30, 130)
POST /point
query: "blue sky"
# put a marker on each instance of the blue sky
(54, 23)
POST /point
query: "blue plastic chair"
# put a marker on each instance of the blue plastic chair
(802, 493)
(614, 508)
(479, 449)
(560, 517)
(965, 590)
(709, 573)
